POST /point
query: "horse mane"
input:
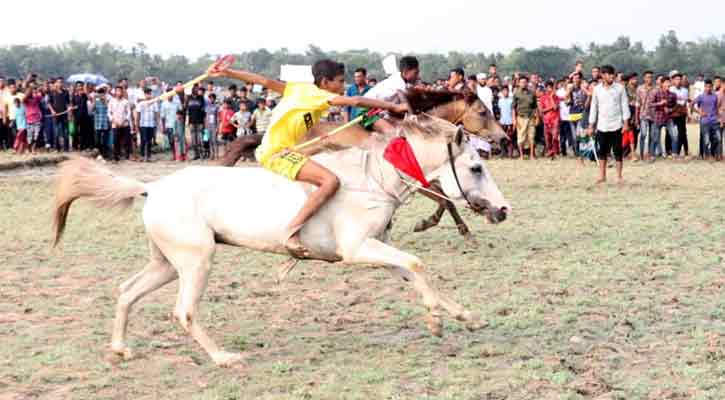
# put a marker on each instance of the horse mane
(423, 100)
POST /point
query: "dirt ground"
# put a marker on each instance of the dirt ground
(591, 292)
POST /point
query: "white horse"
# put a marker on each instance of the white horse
(189, 211)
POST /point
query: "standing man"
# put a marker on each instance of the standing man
(59, 108)
(195, 108)
(485, 94)
(609, 113)
(359, 88)
(147, 119)
(262, 116)
(549, 109)
(706, 105)
(10, 109)
(524, 113)
(632, 82)
(679, 116)
(492, 71)
(664, 102)
(645, 114)
(596, 76)
(119, 111)
(721, 118)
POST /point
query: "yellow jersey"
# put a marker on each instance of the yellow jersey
(301, 107)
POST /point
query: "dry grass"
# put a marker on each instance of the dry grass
(592, 292)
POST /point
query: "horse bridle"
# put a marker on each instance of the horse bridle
(455, 173)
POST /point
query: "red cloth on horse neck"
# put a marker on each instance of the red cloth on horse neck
(401, 156)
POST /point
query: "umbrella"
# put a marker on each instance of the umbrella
(87, 78)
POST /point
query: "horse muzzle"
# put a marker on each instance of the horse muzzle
(494, 214)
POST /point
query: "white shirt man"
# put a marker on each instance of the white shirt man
(388, 88)
(563, 107)
(485, 94)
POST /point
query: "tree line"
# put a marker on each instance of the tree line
(114, 62)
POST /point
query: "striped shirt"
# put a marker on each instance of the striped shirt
(147, 114)
(100, 115)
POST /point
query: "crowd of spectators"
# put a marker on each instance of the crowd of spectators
(53, 115)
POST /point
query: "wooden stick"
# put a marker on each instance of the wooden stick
(172, 92)
(325, 136)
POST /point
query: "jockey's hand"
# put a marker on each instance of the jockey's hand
(215, 70)
(590, 131)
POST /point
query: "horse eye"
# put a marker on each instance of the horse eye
(477, 169)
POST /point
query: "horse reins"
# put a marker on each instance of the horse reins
(455, 175)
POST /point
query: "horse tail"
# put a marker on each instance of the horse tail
(82, 177)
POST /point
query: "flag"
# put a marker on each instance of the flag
(401, 156)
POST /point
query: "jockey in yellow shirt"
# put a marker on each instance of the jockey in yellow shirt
(301, 107)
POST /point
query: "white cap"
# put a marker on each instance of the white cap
(481, 75)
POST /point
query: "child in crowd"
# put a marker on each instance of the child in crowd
(226, 128)
(241, 120)
(21, 140)
(180, 136)
(212, 113)
(505, 105)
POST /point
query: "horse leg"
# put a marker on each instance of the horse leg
(434, 219)
(285, 269)
(410, 269)
(460, 224)
(157, 273)
(239, 147)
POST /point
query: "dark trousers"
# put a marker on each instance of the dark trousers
(60, 128)
(12, 131)
(566, 137)
(147, 135)
(681, 124)
(4, 143)
(121, 140)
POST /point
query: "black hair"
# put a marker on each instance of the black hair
(327, 69)
(716, 77)
(179, 82)
(665, 79)
(607, 69)
(677, 75)
(119, 86)
(549, 84)
(493, 65)
(523, 77)
(179, 112)
(11, 81)
(232, 87)
(407, 63)
(648, 72)
(260, 100)
(362, 71)
(472, 77)
(633, 75)
(708, 81)
(579, 74)
(229, 102)
(101, 90)
(210, 83)
(373, 79)
(212, 96)
(147, 90)
(459, 72)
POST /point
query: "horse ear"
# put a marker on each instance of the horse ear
(459, 137)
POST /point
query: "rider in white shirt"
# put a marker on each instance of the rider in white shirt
(393, 88)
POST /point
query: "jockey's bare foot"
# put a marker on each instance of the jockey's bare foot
(600, 181)
(296, 249)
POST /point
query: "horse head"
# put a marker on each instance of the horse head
(443, 151)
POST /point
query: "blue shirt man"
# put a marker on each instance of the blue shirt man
(358, 89)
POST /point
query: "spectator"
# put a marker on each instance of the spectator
(505, 103)
(234, 97)
(492, 70)
(549, 109)
(244, 98)
(456, 79)
(20, 122)
(645, 116)
(102, 124)
(631, 89)
(706, 106)
(9, 105)
(576, 100)
(34, 116)
(359, 88)
(372, 82)
(147, 119)
(180, 136)
(242, 120)
(226, 124)
(721, 118)
(565, 136)
(262, 116)
(609, 114)
(524, 113)
(212, 125)
(664, 101)
(47, 121)
(679, 115)
(485, 94)
(595, 74)
(84, 132)
(119, 111)
(195, 105)
(59, 108)
(168, 121)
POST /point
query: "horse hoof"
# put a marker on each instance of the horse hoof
(122, 352)
(225, 359)
(435, 325)
(473, 321)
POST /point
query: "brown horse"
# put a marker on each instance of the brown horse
(461, 108)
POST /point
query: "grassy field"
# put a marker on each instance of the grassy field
(591, 293)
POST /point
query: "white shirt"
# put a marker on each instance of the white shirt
(388, 88)
(563, 108)
(610, 107)
(698, 88)
(681, 93)
(486, 95)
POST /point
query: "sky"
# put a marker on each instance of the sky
(193, 28)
